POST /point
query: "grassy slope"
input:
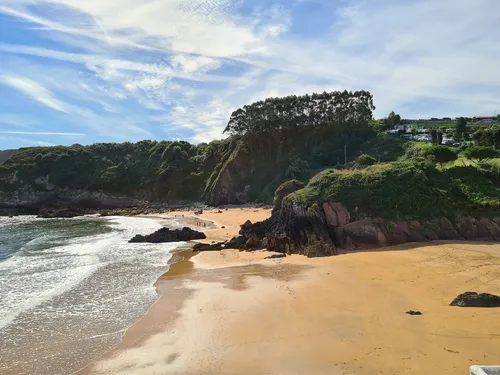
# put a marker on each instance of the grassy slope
(405, 190)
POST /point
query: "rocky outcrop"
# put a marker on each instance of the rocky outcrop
(473, 299)
(208, 247)
(228, 182)
(329, 229)
(41, 201)
(166, 235)
(285, 189)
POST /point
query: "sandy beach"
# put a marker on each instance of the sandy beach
(236, 312)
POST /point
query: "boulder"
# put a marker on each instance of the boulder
(236, 243)
(336, 214)
(276, 256)
(253, 241)
(284, 190)
(166, 235)
(473, 299)
(207, 247)
(361, 235)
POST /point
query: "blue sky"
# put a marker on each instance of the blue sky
(85, 71)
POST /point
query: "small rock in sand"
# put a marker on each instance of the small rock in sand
(411, 312)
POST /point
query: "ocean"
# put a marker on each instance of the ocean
(69, 288)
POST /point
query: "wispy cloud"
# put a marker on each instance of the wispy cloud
(128, 69)
(34, 90)
(45, 133)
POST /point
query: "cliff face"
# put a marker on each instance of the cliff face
(248, 172)
(227, 184)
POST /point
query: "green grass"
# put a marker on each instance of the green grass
(404, 190)
(384, 148)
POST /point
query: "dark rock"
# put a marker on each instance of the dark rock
(473, 299)
(276, 256)
(236, 243)
(283, 191)
(207, 247)
(166, 235)
(223, 227)
(198, 212)
(411, 312)
(62, 212)
(253, 242)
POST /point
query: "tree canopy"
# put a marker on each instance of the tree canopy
(489, 136)
(341, 110)
(480, 153)
(460, 128)
(440, 154)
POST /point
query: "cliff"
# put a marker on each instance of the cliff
(384, 206)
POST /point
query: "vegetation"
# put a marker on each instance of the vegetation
(284, 139)
(488, 136)
(271, 141)
(480, 153)
(364, 160)
(384, 148)
(460, 128)
(345, 111)
(440, 154)
(404, 190)
(148, 169)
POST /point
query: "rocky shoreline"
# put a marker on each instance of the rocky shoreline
(57, 210)
(321, 230)
(330, 229)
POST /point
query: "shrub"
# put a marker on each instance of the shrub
(364, 161)
(440, 154)
(480, 153)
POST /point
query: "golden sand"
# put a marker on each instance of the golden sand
(235, 312)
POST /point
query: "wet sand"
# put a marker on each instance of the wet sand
(235, 312)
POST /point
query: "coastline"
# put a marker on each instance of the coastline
(236, 312)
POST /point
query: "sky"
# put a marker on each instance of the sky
(87, 71)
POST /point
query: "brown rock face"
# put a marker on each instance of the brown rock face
(336, 214)
(322, 231)
(360, 235)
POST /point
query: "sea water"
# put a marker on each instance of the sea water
(69, 288)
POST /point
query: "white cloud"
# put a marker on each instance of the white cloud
(34, 90)
(45, 133)
(192, 62)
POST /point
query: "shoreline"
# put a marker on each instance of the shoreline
(219, 311)
(179, 265)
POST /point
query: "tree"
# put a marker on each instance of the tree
(460, 128)
(413, 132)
(480, 153)
(346, 112)
(439, 137)
(393, 119)
(434, 136)
(440, 154)
(487, 136)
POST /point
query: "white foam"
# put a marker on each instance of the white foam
(30, 281)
